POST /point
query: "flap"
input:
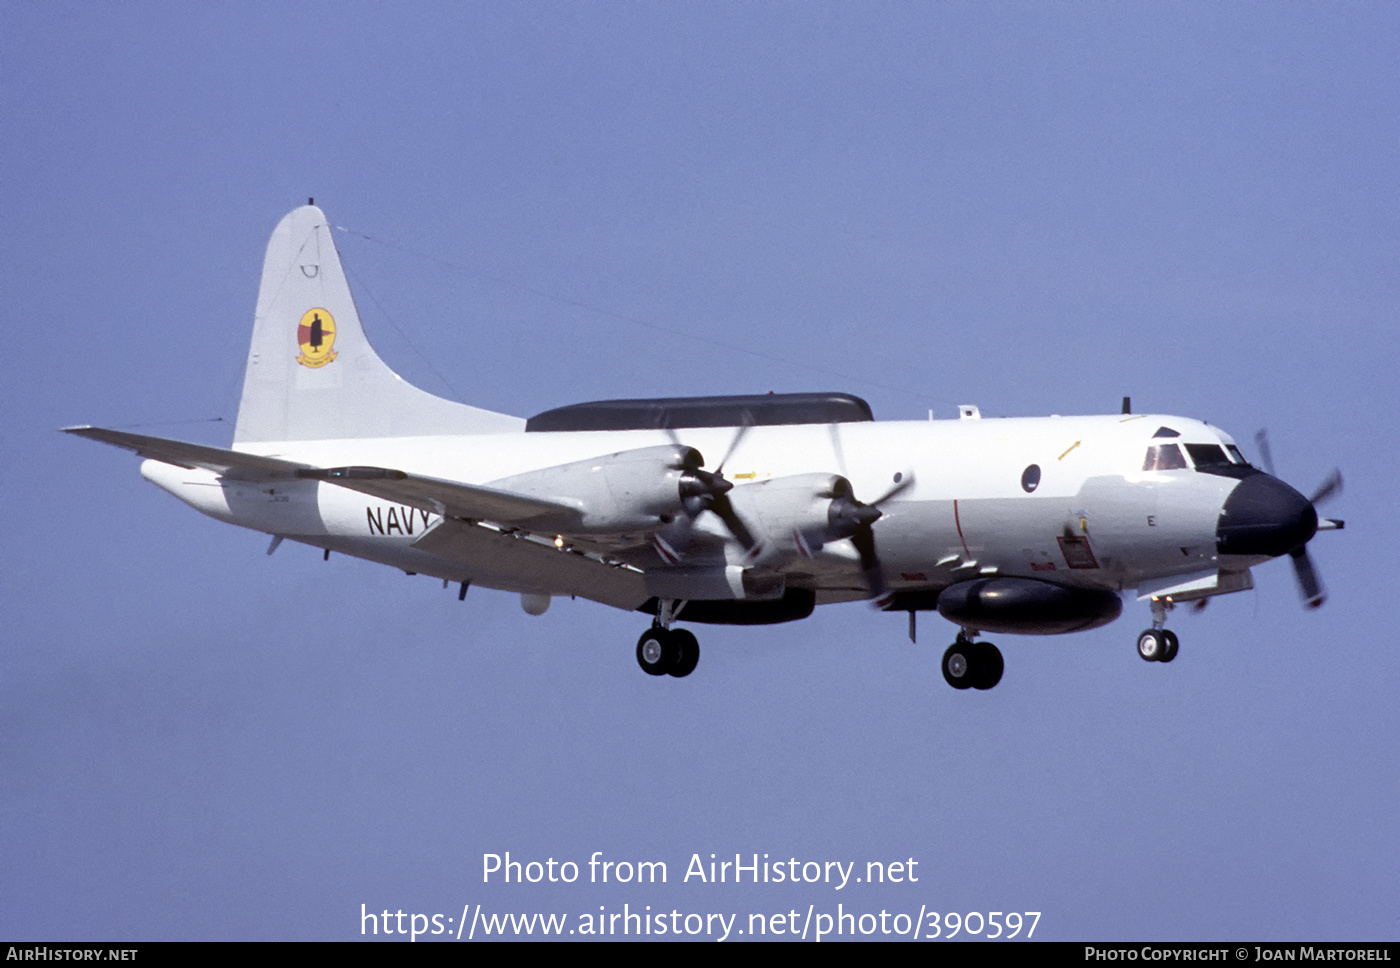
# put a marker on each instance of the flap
(497, 559)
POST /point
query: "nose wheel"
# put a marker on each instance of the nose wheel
(1158, 644)
(972, 665)
(673, 652)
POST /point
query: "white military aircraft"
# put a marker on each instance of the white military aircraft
(1019, 526)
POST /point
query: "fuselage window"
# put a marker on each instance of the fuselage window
(1207, 455)
(1164, 457)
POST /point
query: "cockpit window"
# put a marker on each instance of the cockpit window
(1164, 457)
(1207, 455)
(1165, 432)
(1235, 455)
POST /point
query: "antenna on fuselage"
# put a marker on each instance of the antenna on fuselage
(1127, 404)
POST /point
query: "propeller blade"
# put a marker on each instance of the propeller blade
(864, 540)
(721, 505)
(1328, 488)
(1308, 582)
(739, 434)
(854, 519)
(1261, 440)
(663, 423)
(834, 430)
(902, 481)
(703, 490)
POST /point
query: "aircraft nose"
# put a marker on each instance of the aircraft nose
(1264, 516)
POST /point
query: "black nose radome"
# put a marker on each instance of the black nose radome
(1264, 516)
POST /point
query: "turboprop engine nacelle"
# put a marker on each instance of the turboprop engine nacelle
(802, 513)
(630, 491)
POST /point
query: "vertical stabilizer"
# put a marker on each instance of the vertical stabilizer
(311, 373)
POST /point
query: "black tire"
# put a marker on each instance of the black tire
(1169, 652)
(656, 652)
(960, 664)
(688, 653)
(1151, 644)
(989, 666)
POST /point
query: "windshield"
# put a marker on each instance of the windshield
(1164, 457)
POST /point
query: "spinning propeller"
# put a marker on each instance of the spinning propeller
(849, 518)
(703, 490)
(1308, 582)
(856, 518)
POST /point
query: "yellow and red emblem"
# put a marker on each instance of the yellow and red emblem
(316, 335)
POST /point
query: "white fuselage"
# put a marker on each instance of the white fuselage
(1091, 517)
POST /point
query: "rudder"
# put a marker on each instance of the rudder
(312, 374)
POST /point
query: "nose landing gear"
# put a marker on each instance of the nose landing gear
(1158, 644)
(972, 665)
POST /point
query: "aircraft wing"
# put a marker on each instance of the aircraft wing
(516, 561)
(448, 498)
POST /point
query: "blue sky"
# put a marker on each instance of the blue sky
(1036, 208)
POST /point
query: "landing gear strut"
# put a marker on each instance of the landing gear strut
(975, 665)
(1158, 644)
(663, 652)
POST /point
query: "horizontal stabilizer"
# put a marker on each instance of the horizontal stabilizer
(229, 463)
(448, 498)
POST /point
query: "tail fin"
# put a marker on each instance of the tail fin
(311, 373)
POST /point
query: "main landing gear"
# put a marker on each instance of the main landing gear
(972, 665)
(663, 652)
(1158, 644)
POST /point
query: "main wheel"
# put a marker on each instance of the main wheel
(959, 664)
(988, 667)
(1152, 645)
(688, 653)
(656, 652)
(1169, 652)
